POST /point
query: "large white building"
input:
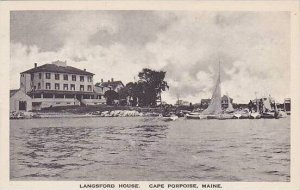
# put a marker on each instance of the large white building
(57, 84)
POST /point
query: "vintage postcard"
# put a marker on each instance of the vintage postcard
(150, 95)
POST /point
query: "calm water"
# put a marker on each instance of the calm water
(150, 149)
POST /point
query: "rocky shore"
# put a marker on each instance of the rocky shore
(92, 111)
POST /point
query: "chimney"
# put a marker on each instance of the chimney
(35, 65)
(108, 81)
(101, 80)
(112, 79)
(84, 69)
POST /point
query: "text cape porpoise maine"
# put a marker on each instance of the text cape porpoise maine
(153, 186)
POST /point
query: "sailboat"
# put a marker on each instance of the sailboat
(214, 109)
(228, 112)
(256, 114)
(268, 111)
(229, 109)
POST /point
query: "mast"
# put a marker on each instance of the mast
(220, 77)
(219, 69)
(257, 106)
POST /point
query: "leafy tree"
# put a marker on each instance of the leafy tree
(145, 92)
(110, 96)
(152, 83)
(135, 93)
(123, 92)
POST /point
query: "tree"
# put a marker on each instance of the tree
(135, 93)
(152, 83)
(110, 96)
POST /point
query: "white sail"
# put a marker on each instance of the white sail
(229, 108)
(267, 104)
(215, 103)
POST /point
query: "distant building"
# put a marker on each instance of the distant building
(224, 102)
(19, 101)
(110, 90)
(182, 103)
(57, 84)
(287, 105)
(110, 85)
(204, 103)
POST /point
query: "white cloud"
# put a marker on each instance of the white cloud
(253, 48)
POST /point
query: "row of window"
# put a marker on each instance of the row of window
(65, 77)
(65, 87)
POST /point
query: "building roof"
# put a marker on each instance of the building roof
(57, 69)
(13, 92)
(112, 84)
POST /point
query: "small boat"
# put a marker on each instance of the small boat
(268, 115)
(282, 114)
(195, 115)
(192, 116)
(170, 118)
(237, 115)
(213, 116)
(255, 115)
(226, 116)
(244, 114)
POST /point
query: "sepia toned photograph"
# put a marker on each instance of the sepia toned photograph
(150, 95)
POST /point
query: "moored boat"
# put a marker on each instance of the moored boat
(170, 118)
(255, 115)
(268, 115)
(243, 114)
(226, 116)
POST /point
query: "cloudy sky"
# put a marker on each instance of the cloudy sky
(253, 48)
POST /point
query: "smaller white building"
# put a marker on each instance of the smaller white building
(19, 101)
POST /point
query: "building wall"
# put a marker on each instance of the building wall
(40, 103)
(93, 101)
(25, 82)
(118, 88)
(43, 80)
(17, 98)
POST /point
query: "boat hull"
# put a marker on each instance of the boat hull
(171, 118)
(195, 116)
(255, 115)
(268, 115)
(226, 116)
